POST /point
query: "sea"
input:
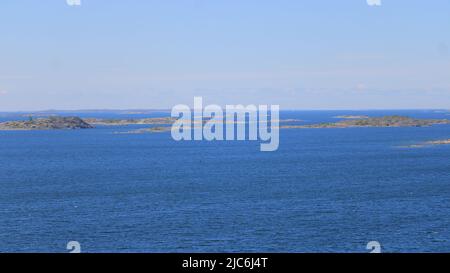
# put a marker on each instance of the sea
(323, 190)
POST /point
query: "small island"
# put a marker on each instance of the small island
(428, 144)
(439, 142)
(50, 123)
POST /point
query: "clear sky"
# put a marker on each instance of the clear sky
(301, 54)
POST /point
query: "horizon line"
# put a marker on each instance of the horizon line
(168, 110)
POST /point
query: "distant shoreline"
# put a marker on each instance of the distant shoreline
(348, 121)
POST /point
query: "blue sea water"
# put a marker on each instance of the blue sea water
(324, 190)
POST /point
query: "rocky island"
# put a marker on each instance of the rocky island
(428, 144)
(387, 121)
(439, 142)
(50, 123)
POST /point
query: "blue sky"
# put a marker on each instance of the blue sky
(315, 54)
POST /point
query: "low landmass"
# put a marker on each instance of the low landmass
(439, 142)
(159, 129)
(50, 123)
(124, 122)
(428, 144)
(387, 121)
(351, 117)
(56, 122)
(153, 121)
